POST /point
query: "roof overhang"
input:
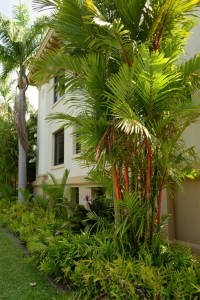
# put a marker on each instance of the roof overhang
(49, 42)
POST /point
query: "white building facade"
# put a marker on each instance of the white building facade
(57, 149)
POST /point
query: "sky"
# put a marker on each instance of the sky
(6, 10)
(6, 7)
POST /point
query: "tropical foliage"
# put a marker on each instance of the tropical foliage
(19, 41)
(98, 262)
(9, 140)
(8, 154)
(7, 97)
(136, 99)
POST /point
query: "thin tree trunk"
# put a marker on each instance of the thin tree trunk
(154, 203)
(115, 197)
(148, 193)
(116, 188)
(153, 219)
(116, 183)
(160, 198)
(22, 168)
(126, 177)
(119, 176)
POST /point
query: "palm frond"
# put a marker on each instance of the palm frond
(75, 32)
(40, 5)
(131, 21)
(21, 14)
(66, 119)
(64, 178)
(108, 140)
(19, 39)
(191, 72)
(115, 39)
(53, 178)
(58, 63)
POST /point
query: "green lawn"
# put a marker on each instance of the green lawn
(16, 275)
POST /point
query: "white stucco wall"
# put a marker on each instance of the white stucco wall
(193, 46)
(46, 130)
(191, 135)
(42, 131)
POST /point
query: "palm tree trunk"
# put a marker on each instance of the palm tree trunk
(126, 177)
(115, 194)
(116, 182)
(22, 169)
(160, 198)
(148, 195)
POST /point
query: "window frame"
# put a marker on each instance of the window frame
(59, 147)
(76, 145)
(57, 95)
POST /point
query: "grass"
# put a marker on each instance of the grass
(16, 275)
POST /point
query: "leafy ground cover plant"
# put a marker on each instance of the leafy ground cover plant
(101, 260)
(103, 264)
(96, 267)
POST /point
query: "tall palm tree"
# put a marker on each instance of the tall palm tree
(136, 99)
(19, 40)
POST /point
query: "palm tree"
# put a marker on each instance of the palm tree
(136, 100)
(19, 42)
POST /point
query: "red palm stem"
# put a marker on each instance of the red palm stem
(126, 177)
(116, 182)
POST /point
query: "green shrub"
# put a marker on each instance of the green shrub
(99, 258)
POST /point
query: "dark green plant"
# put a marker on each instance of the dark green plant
(41, 201)
(100, 213)
(26, 194)
(31, 124)
(56, 192)
(7, 195)
(136, 99)
(57, 198)
(8, 153)
(103, 264)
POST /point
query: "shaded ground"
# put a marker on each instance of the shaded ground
(16, 275)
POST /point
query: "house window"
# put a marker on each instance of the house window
(75, 194)
(57, 92)
(59, 148)
(76, 145)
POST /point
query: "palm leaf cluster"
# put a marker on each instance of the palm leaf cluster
(19, 41)
(136, 99)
